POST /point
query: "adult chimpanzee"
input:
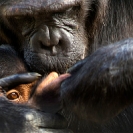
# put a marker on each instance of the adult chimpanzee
(53, 35)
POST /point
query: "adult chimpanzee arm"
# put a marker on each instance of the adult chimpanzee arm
(100, 86)
(18, 118)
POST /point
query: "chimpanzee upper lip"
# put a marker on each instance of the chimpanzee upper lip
(31, 7)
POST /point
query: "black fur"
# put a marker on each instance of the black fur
(54, 35)
(107, 89)
(10, 62)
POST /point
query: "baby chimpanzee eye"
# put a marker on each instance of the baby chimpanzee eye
(13, 95)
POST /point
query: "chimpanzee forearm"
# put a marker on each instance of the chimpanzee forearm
(100, 86)
(22, 119)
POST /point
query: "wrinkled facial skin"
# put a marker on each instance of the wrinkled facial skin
(49, 33)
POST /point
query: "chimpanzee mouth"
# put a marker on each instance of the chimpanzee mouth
(44, 64)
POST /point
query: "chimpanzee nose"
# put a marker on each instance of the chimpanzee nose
(45, 40)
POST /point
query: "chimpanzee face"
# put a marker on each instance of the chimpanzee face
(51, 34)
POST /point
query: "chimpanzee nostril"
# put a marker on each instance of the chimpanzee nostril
(55, 36)
(49, 36)
(44, 36)
(45, 39)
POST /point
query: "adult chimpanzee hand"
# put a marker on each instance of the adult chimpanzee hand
(27, 119)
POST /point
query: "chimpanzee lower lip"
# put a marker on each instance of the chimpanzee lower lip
(48, 64)
(61, 55)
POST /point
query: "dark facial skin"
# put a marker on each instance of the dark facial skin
(51, 37)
